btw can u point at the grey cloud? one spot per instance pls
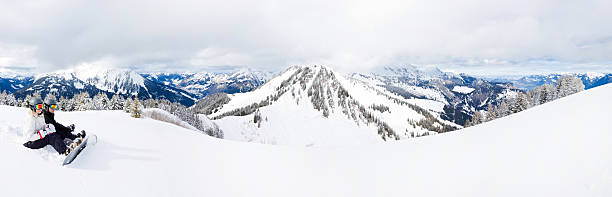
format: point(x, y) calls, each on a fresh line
point(348, 35)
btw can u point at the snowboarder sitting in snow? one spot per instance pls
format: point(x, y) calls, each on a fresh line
point(49, 108)
point(42, 126)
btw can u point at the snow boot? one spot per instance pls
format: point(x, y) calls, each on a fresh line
point(81, 134)
point(69, 149)
point(74, 144)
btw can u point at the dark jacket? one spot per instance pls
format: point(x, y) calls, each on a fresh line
point(64, 131)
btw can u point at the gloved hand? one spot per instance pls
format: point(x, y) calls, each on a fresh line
point(71, 127)
point(28, 144)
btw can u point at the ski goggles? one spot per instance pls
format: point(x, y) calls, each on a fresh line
point(38, 106)
point(52, 106)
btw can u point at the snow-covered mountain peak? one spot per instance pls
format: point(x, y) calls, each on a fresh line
point(62, 74)
point(120, 81)
point(414, 71)
point(12, 74)
point(316, 98)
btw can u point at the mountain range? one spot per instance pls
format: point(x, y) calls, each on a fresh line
point(590, 80)
point(181, 88)
point(448, 96)
point(203, 84)
point(459, 95)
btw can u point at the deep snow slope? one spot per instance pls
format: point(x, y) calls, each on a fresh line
point(567, 153)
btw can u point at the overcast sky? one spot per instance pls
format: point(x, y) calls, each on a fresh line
point(471, 36)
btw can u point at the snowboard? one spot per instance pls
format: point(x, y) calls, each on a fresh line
point(73, 155)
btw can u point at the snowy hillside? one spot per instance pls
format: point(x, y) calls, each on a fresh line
point(315, 106)
point(568, 153)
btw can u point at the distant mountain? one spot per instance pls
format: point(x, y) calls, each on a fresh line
point(315, 106)
point(109, 81)
point(460, 95)
point(203, 84)
point(590, 80)
point(11, 84)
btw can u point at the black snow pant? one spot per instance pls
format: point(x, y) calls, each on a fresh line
point(65, 132)
point(54, 139)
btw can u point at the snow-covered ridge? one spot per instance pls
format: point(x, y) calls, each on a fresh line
point(421, 72)
point(450, 95)
point(319, 102)
point(119, 81)
point(206, 83)
point(68, 83)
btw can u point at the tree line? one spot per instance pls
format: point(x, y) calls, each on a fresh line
point(83, 101)
point(566, 85)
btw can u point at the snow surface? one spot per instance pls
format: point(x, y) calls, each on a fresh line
point(463, 89)
point(561, 148)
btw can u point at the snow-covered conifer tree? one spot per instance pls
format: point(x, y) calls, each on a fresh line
point(65, 104)
point(477, 118)
point(520, 103)
point(491, 115)
point(82, 102)
point(502, 109)
point(10, 100)
point(127, 104)
point(136, 108)
point(24, 103)
point(567, 85)
point(3, 98)
point(116, 102)
point(100, 102)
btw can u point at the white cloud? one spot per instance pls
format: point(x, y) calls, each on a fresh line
point(268, 34)
point(211, 57)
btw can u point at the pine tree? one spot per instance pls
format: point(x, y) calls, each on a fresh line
point(115, 103)
point(520, 103)
point(127, 105)
point(549, 93)
point(490, 113)
point(467, 124)
point(66, 104)
point(25, 101)
point(100, 102)
point(82, 102)
point(502, 109)
point(477, 118)
point(3, 98)
point(10, 100)
point(136, 108)
point(567, 85)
